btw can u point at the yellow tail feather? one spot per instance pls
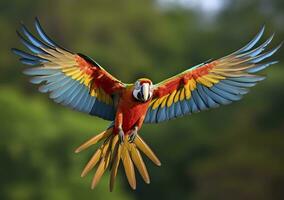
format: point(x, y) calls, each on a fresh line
point(94, 140)
point(147, 150)
point(111, 152)
point(139, 163)
point(114, 168)
point(96, 157)
point(128, 167)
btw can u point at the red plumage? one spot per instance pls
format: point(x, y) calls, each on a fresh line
point(132, 111)
point(79, 82)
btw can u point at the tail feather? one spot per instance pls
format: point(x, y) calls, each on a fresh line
point(101, 169)
point(128, 166)
point(105, 159)
point(147, 150)
point(94, 140)
point(93, 161)
point(139, 163)
point(114, 168)
point(111, 152)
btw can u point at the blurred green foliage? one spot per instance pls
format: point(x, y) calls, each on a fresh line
point(234, 152)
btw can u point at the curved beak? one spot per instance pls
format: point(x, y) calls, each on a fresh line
point(145, 89)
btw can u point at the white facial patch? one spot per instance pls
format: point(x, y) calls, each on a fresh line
point(143, 92)
point(135, 93)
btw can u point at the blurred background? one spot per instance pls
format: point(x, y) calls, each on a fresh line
point(234, 152)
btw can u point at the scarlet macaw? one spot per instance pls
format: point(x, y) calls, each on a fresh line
point(77, 81)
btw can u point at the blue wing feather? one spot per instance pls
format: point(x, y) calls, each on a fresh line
point(62, 88)
point(82, 101)
point(87, 104)
point(257, 50)
point(30, 46)
point(225, 91)
point(177, 109)
point(225, 94)
point(43, 35)
point(60, 91)
point(231, 89)
point(265, 55)
point(197, 99)
point(252, 42)
point(79, 95)
point(206, 98)
point(27, 55)
point(162, 114)
point(27, 61)
point(192, 105)
point(67, 94)
point(217, 98)
point(37, 71)
point(260, 67)
point(32, 38)
point(184, 107)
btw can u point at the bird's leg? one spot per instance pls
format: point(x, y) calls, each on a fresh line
point(118, 124)
point(121, 134)
point(137, 127)
point(133, 134)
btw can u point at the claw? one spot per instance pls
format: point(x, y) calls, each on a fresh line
point(132, 136)
point(121, 136)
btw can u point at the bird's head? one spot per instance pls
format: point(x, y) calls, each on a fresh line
point(143, 90)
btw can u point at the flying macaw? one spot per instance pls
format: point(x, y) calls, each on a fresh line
point(77, 81)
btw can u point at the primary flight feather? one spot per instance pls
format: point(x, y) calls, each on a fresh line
point(77, 81)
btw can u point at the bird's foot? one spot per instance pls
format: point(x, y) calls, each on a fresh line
point(133, 135)
point(121, 136)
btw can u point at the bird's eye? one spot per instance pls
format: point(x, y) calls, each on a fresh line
point(139, 95)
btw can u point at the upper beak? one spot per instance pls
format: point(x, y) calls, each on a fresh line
point(145, 91)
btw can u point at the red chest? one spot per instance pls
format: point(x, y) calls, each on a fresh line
point(131, 109)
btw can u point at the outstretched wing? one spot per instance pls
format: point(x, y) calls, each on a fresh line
point(73, 80)
point(209, 85)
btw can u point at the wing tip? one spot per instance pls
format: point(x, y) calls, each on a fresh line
point(14, 50)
